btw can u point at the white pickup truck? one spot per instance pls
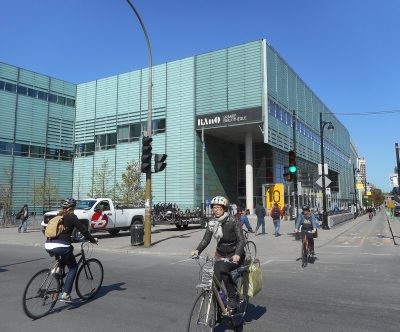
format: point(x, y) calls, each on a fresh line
point(100, 214)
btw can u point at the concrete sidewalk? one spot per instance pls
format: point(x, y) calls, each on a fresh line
point(167, 240)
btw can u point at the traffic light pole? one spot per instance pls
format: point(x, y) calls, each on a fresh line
point(147, 218)
point(295, 187)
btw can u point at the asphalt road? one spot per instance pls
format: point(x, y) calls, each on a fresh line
point(352, 286)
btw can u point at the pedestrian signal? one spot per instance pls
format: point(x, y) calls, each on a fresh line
point(159, 162)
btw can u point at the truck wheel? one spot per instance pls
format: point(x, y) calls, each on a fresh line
point(113, 232)
point(137, 222)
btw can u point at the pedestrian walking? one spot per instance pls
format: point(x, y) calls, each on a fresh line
point(260, 213)
point(245, 221)
point(23, 215)
point(276, 214)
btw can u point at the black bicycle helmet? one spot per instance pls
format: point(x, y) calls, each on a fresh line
point(68, 202)
point(306, 208)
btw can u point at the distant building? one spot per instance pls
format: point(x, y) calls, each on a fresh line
point(242, 97)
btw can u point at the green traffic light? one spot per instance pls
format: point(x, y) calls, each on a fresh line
point(292, 169)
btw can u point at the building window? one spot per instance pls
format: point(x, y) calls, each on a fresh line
point(106, 141)
point(10, 87)
point(37, 151)
point(5, 148)
point(21, 90)
point(21, 150)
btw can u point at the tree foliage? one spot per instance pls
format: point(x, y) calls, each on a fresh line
point(377, 196)
point(6, 200)
point(102, 181)
point(46, 194)
point(129, 191)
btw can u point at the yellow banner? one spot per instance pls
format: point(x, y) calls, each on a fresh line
point(369, 193)
point(275, 194)
point(359, 186)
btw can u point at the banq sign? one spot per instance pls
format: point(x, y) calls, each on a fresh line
point(229, 118)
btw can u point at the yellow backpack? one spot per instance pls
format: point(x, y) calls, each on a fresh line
point(54, 228)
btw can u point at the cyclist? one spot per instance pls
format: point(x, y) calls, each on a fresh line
point(308, 224)
point(62, 245)
point(228, 232)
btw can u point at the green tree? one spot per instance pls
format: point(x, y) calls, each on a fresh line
point(46, 194)
point(129, 191)
point(102, 177)
point(377, 196)
point(6, 200)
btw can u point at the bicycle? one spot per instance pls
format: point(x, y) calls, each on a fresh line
point(44, 288)
point(210, 306)
point(306, 251)
point(250, 247)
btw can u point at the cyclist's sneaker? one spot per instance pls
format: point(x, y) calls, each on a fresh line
point(66, 299)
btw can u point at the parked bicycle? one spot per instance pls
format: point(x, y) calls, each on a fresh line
point(210, 306)
point(45, 287)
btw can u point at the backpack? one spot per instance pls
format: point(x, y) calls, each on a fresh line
point(275, 214)
point(54, 228)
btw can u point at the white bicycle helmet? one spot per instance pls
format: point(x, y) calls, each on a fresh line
point(220, 200)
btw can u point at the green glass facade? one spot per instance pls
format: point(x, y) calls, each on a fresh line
point(36, 140)
point(249, 86)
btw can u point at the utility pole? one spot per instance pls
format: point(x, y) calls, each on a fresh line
point(296, 195)
point(397, 146)
point(147, 204)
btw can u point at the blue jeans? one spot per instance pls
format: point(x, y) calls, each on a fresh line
point(24, 225)
point(246, 222)
point(68, 259)
point(277, 224)
point(261, 222)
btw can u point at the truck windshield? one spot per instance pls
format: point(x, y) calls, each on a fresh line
point(85, 204)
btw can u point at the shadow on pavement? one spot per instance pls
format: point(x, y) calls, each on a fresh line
point(104, 290)
point(23, 262)
point(253, 313)
point(182, 236)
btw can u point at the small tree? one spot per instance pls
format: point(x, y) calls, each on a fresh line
point(46, 194)
point(129, 191)
point(377, 196)
point(101, 181)
point(6, 201)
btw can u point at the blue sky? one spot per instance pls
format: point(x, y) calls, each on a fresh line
point(347, 52)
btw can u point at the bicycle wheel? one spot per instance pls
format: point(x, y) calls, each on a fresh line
point(203, 313)
point(250, 249)
point(40, 294)
point(304, 254)
point(89, 279)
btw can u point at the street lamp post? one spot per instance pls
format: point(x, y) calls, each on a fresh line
point(322, 125)
point(355, 186)
point(147, 218)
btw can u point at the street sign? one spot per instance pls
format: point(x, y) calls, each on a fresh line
point(360, 186)
point(275, 194)
point(320, 169)
point(299, 189)
point(327, 181)
point(328, 191)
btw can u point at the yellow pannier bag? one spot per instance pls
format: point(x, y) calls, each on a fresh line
point(252, 281)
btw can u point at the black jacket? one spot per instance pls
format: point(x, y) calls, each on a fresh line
point(70, 221)
point(232, 241)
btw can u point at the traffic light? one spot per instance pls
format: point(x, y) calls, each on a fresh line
point(292, 165)
point(288, 176)
point(145, 167)
point(159, 162)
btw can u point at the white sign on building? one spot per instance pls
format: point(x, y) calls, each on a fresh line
point(394, 180)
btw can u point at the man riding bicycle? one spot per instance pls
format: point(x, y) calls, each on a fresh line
point(308, 224)
point(228, 232)
point(61, 245)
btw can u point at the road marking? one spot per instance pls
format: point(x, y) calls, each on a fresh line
point(181, 261)
point(363, 240)
point(267, 262)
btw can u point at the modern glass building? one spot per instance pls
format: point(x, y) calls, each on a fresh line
point(37, 115)
point(224, 118)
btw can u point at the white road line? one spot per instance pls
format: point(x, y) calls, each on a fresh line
point(181, 261)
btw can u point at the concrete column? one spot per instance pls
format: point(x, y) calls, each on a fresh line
point(249, 172)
